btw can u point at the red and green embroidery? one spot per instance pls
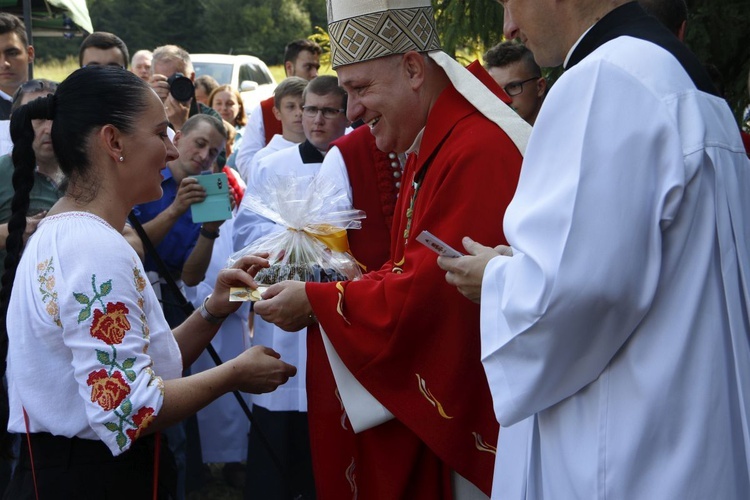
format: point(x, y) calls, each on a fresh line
point(82, 298)
point(110, 386)
point(46, 281)
point(140, 285)
point(130, 426)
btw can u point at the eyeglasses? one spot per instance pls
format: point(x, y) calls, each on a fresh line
point(37, 85)
point(32, 87)
point(328, 113)
point(515, 88)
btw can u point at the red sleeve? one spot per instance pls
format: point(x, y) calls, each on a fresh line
point(410, 338)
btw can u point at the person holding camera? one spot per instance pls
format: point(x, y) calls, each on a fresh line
point(172, 78)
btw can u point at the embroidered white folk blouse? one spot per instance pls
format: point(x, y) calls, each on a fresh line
point(88, 344)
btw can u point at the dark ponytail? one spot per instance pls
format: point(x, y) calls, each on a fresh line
point(87, 100)
point(24, 161)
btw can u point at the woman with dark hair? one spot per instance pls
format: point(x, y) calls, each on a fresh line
point(93, 369)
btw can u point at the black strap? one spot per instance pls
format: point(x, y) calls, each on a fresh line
point(5, 109)
point(188, 308)
point(309, 153)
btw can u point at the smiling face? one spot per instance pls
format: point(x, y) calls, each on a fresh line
point(146, 150)
point(319, 130)
point(198, 150)
point(380, 94)
point(14, 62)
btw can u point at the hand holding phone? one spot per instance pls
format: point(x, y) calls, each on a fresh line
point(216, 206)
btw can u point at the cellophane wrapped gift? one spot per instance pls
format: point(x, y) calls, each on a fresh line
point(310, 242)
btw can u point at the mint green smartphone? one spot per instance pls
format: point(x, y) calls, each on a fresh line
point(216, 206)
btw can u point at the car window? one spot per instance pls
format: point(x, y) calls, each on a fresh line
point(254, 73)
point(221, 72)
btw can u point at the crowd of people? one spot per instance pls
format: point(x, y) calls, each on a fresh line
point(581, 328)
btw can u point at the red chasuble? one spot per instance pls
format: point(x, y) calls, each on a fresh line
point(271, 124)
point(410, 338)
point(373, 175)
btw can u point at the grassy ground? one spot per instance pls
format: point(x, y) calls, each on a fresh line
point(217, 488)
point(58, 70)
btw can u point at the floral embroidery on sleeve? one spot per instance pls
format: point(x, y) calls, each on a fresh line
point(46, 280)
point(110, 386)
point(140, 285)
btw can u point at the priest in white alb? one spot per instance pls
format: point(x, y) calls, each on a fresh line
point(615, 325)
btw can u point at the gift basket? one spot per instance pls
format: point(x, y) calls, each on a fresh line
point(310, 243)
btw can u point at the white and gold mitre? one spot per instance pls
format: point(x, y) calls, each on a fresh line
point(361, 30)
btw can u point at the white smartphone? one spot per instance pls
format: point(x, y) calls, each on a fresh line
point(437, 245)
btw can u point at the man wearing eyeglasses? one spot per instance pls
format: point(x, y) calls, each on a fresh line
point(410, 344)
point(283, 416)
point(513, 67)
point(301, 59)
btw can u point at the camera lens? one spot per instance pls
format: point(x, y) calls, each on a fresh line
point(181, 87)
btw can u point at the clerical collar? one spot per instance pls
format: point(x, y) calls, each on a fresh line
point(309, 153)
point(416, 144)
point(5, 96)
point(631, 20)
point(573, 48)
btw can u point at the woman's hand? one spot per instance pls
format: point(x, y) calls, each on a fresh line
point(259, 370)
point(241, 274)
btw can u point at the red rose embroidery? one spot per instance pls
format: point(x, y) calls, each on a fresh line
point(112, 326)
point(108, 391)
point(142, 420)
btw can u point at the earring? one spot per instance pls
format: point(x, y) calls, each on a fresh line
point(122, 159)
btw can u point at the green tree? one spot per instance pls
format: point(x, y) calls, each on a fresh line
point(259, 27)
point(468, 26)
point(318, 14)
point(717, 32)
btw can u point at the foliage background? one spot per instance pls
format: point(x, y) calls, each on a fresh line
point(718, 31)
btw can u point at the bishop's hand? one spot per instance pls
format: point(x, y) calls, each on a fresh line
point(286, 305)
